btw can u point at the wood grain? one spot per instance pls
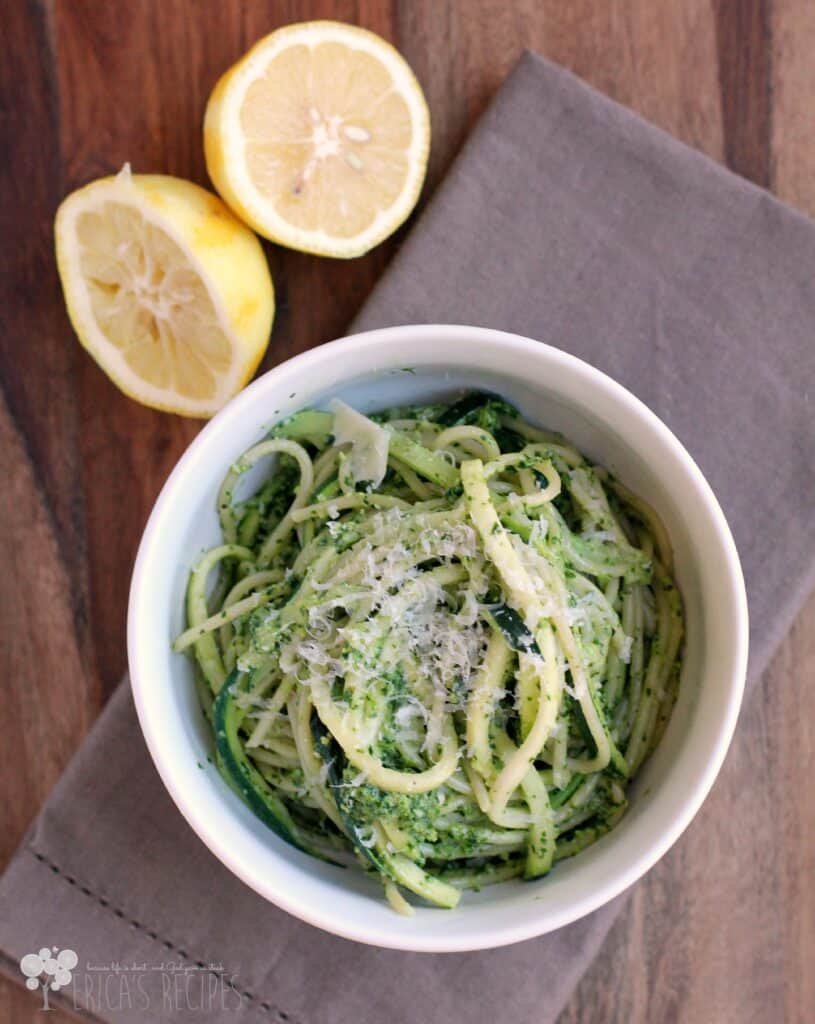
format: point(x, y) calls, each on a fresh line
point(723, 929)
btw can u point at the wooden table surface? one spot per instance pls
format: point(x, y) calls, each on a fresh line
point(723, 929)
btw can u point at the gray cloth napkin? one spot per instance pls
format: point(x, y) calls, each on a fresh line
point(569, 219)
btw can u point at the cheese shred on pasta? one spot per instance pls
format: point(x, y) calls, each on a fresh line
point(437, 640)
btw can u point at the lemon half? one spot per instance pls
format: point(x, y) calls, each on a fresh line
point(318, 138)
point(165, 288)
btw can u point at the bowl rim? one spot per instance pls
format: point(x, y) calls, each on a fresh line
point(547, 921)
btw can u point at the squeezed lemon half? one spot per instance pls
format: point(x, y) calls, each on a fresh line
point(166, 289)
point(318, 138)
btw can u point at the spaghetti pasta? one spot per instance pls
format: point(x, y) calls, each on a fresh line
point(443, 645)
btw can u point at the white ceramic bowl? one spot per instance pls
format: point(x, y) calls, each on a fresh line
point(394, 367)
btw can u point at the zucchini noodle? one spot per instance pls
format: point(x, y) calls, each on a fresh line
point(436, 641)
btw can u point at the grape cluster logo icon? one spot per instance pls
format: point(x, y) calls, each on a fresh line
point(49, 970)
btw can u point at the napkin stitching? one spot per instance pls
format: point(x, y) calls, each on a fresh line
point(154, 936)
